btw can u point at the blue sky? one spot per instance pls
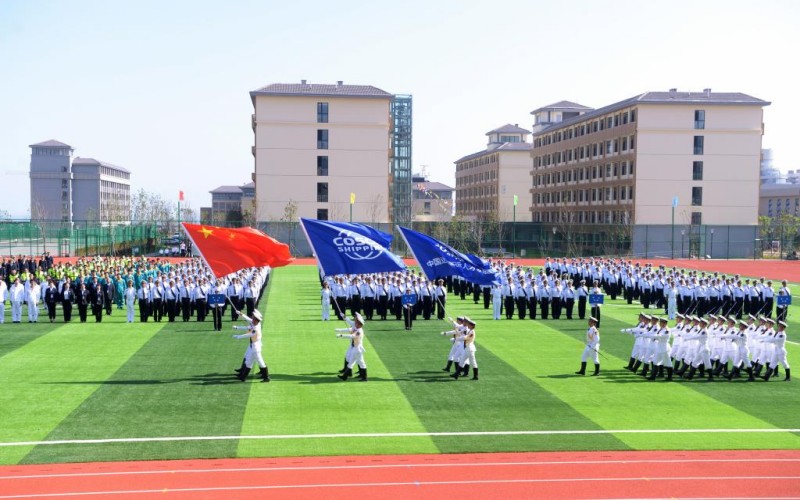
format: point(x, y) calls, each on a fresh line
point(161, 87)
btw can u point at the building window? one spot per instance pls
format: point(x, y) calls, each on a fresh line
point(699, 119)
point(697, 171)
point(322, 112)
point(698, 144)
point(426, 208)
point(322, 214)
point(697, 196)
point(322, 192)
point(322, 139)
point(322, 166)
point(697, 218)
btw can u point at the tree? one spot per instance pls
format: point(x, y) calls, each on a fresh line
point(376, 208)
point(290, 217)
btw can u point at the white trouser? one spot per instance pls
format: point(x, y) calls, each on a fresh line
point(2, 313)
point(702, 357)
point(357, 358)
point(454, 352)
point(741, 355)
point(779, 356)
point(326, 310)
point(496, 308)
point(33, 311)
point(253, 355)
point(129, 307)
point(16, 311)
point(468, 357)
point(590, 352)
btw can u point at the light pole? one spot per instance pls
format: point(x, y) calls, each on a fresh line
point(514, 228)
point(711, 252)
point(352, 201)
point(683, 233)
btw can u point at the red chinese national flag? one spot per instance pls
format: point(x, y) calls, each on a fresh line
point(227, 250)
point(180, 195)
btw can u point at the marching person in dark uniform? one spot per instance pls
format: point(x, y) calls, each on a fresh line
point(171, 300)
point(383, 299)
point(84, 299)
point(98, 303)
point(50, 300)
point(583, 294)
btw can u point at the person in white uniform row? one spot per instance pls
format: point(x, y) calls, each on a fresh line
point(457, 338)
point(468, 355)
point(592, 348)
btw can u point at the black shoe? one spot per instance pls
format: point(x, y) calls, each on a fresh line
point(447, 368)
point(582, 371)
point(596, 369)
point(344, 368)
point(243, 375)
point(474, 374)
point(347, 373)
point(362, 375)
point(788, 375)
point(241, 368)
point(264, 372)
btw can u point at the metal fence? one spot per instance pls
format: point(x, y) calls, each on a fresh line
point(80, 238)
point(495, 239)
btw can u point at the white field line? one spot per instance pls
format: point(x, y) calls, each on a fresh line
point(374, 435)
point(461, 463)
point(405, 483)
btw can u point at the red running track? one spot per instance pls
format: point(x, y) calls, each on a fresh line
point(704, 474)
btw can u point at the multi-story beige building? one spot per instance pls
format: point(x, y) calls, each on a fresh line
point(779, 199)
point(639, 161)
point(488, 181)
point(316, 144)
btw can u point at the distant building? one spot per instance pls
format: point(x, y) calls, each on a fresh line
point(315, 144)
point(232, 204)
point(627, 163)
point(432, 201)
point(778, 199)
point(793, 177)
point(70, 189)
point(488, 181)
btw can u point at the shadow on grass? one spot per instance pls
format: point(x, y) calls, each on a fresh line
point(207, 379)
point(324, 378)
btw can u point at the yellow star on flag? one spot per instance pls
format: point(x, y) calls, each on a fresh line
point(206, 232)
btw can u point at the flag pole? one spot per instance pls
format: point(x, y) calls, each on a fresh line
point(199, 252)
point(403, 234)
point(311, 244)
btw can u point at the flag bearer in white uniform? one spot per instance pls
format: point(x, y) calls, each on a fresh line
point(468, 357)
point(592, 349)
point(254, 353)
point(355, 354)
point(325, 297)
point(779, 353)
point(456, 337)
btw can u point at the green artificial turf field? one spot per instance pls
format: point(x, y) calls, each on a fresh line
point(131, 383)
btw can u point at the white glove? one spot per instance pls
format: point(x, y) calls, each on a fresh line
point(339, 335)
point(235, 336)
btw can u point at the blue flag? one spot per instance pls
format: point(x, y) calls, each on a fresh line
point(383, 239)
point(344, 251)
point(439, 260)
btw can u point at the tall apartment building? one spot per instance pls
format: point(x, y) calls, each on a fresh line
point(70, 189)
point(628, 163)
point(488, 181)
point(315, 144)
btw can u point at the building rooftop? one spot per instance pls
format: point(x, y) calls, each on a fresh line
point(507, 146)
point(669, 97)
point(509, 129)
point(338, 89)
point(432, 186)
point(779, 189)
point(227, 190)
point(97, 163)
point(563, 105)
point(52, 143)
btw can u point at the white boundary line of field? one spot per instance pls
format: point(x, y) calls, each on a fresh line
point(373, 435)
point(407, 483)
point(402, 465)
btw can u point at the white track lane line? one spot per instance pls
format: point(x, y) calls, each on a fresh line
point(405, 483)
point(393, 435)
point(460, 463)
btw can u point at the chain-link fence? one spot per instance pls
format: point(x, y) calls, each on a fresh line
point(63, 239)
point(489, 239)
